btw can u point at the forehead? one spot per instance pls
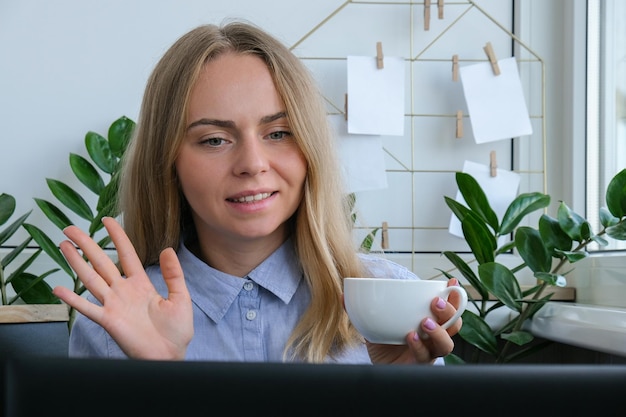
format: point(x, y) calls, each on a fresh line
point(234, 82)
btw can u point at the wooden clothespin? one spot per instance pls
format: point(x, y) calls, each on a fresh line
point(380, 61)
point(440, 7)
point(345, 106)
point(384, 241)
point(493, 164)
point(459, 124)
point(492, 58)
point(426, 14)
point(455, 67)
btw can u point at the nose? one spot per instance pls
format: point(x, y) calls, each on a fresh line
point(251, 157)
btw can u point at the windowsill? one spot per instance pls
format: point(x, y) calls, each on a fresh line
point(598, 328)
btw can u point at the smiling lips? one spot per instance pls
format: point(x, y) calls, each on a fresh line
point(251, 198)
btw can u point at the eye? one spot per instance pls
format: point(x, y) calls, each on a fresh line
point(278, 135)
point(213, 141)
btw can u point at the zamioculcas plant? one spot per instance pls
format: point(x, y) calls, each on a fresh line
point(27, 287)
point(100, 176)
point(547, 250)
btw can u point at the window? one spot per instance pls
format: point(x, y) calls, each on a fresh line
point(606, 103)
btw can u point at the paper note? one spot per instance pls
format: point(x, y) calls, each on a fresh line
point(376, 96)
point(362, 158)
point(496, 104)
point(500, 190)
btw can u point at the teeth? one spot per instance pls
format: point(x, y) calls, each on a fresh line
point(250, 198)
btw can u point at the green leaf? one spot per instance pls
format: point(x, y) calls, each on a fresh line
point(532, 250)
point(585, 230)
point(33, 289)
point(100, 152)
point(479, 238)
point(618, 231)
point(53, 213)
point(70, 198)
point(452, 359)
point(12, 228)
point(108, 196)
point(120, 133)
point(468, 273)
point(477, 332)
point(49, 247)
point(501, 282)
point(476, 199)
point(7, 207)
point(599, 240)
point(521, 206)
point(13, 254)
point(573, 256)
point(458, 209)
point(606, 218)
point(519, 337)
point(616, 195)
point(552, 279)
point(570, 222)
point(86, 173)
point(553, 236)
point(368, 241)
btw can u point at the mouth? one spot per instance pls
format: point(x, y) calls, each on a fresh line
point(250, 198)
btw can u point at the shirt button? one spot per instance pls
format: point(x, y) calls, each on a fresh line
point(248, 286)
point(251, 315)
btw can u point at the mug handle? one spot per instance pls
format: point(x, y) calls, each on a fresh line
point(462, 305)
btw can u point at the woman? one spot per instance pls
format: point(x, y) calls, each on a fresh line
point(236, 229)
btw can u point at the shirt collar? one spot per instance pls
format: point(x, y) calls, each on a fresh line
point(214, 291)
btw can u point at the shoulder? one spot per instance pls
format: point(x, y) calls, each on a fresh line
point(378, 267)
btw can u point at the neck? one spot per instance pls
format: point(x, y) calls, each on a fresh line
point(236, 258)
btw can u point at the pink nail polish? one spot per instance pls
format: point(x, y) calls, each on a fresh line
point(429, 324)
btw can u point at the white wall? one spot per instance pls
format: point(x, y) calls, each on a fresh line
point(70, 66)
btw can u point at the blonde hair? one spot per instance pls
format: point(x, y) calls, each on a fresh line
point(155, 213)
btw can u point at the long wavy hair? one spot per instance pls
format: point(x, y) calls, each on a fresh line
point(156, 215)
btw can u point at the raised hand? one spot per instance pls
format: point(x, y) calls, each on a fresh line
point(143, 323)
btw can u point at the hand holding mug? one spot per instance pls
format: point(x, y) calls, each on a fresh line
point(385, 310)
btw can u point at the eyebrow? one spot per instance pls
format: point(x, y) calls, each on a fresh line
point(231, 124)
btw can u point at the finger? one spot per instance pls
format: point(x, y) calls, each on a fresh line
point(437, 339)
point(454, 298)
point(99, 260)
point(87, 275)
point(418, 348)
point(173, 275)
point(130, 262)
point(443, 310)
point(85, 307)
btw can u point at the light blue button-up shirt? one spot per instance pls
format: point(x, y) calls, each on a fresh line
point(236, 319)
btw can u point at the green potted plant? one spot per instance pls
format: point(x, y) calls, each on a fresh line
point(547, 250)
point(32, 319)
point(100, 176)
point(26, 297)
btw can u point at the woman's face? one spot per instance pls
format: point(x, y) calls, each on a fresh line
point(239, 166)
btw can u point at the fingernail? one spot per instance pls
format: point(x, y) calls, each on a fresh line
point(441, 303)
point(429, 324)
point(416, 337)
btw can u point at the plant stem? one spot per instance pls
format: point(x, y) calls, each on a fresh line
point(3, 289)
point(526, 310)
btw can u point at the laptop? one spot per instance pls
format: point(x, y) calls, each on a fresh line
point(67, 387)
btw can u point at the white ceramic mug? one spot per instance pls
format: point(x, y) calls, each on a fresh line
point(385, 310)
